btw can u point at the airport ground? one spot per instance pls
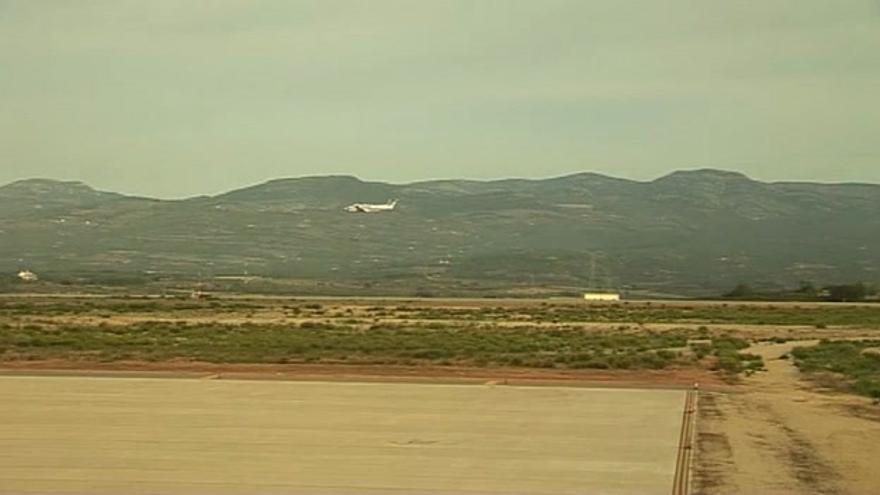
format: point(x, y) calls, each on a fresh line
point(188, 436)
point(776, 430)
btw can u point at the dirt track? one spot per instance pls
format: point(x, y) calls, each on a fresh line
point(779, 434)
point(683, 378)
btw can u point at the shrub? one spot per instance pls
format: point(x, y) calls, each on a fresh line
point(855, 369)
point(869, 387)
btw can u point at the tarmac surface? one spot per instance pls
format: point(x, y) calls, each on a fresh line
point(102, 435)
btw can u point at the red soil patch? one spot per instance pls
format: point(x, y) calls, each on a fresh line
point(673, 378)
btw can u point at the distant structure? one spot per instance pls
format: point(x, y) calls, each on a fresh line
point(601, 296)
point(28, 276)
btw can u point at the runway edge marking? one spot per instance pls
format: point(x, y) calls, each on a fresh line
point(681, 483)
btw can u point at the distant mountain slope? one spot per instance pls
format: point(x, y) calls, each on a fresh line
point(26, 196)
point(690, 232)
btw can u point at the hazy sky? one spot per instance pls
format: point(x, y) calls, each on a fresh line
point(174, 98)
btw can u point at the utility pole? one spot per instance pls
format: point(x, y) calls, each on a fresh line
point(592, 271)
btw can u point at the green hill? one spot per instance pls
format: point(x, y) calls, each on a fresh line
point(692, 232)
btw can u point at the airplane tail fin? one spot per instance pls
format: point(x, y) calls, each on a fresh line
point(392, 203)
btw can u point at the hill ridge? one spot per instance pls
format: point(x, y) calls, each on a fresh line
point(692, 232)
point(677, 175)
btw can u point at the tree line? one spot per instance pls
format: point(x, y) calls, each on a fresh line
point(807, 291)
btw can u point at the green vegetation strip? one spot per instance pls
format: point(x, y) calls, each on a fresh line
point(645, 313)
point(855, 362)
point(380, 344)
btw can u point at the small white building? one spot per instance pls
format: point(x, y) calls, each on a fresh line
point(28, 276)
point(601, 296)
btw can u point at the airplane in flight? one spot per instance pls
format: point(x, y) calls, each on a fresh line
point(371, 208)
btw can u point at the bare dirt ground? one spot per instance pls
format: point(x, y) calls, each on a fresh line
point(184, 436)
point(770, 433)
point(359, 318)
point(365, 311)
point(681, 378)
point(779, 434)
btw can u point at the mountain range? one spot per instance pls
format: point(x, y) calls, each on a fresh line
point(696, 232)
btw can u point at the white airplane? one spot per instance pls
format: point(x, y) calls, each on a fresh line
point(371, 208)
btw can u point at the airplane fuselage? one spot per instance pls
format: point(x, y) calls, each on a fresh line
point(370, 208)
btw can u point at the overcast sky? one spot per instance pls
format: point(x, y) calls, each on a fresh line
point(175, 98)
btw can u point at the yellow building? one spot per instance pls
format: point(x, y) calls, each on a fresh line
point(601, 296)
